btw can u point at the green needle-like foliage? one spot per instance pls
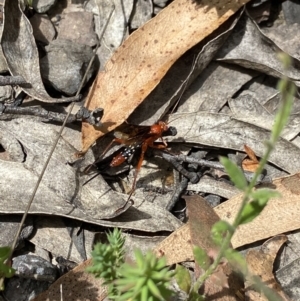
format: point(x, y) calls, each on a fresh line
point(107, 258)
point(147, 280)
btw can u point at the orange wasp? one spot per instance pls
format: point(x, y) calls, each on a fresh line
point(139, 136)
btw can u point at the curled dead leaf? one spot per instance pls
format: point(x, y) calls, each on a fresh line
point(251, 163)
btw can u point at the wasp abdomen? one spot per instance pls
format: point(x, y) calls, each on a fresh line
point(123, 156)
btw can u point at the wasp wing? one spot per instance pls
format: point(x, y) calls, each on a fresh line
point(132, 134)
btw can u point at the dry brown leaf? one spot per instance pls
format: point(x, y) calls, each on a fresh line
point(77, 285)
point(144, 58)
point(201, 219)
point(225, 131)
point(237, 51)
point(280, 215)
point(260, 262)
point(176, 247)
point(223, 283)
point(251, 163)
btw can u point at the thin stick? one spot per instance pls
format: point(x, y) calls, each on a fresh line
point(82, 114)
point(54, 146)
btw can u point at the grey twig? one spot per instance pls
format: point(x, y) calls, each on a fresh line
point(192, 176)
point(180, 185)
point(92, 117)
point(200, 162)
point(216, 165)
point(12, 80)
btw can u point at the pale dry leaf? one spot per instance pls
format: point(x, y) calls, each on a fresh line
point(249, 103)
point(279, 216)
point(289, 275)
point(250, 48)
point(210, 185)
point(215, 85)
point(201, 219)
point(142, 242)
point(249, 107)
point(21, 53)
point(220, 130)
point(260, 262)
point(286, 36)
point(144, 58)
point(77, 285)
point(178, 247)
point(117, 26)
point(65, 243)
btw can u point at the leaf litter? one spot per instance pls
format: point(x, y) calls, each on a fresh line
point(181, 75)
point(223, 281)
point(225, 131)
point(76, 285)
point(236, 129)
point(65, 194)
point(119, 91)
point(279, 216)
point(244, 45)
point(21, 53)
point(179, 245)
point(260, 262)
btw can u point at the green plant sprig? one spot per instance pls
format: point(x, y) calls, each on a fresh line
point(148, 279)
point(287, 89)
point(5, 270)
point(107, 259)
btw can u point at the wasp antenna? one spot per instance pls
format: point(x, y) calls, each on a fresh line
point(170, 121)
point(183, 87)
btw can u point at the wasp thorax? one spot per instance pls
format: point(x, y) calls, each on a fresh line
point(158, 128)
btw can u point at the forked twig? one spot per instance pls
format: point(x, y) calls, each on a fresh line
point(262, 178)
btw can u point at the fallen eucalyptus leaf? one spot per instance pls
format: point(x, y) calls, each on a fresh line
point(52, 234)
point(279, 216)
point(260, 262)
point(215, 85)
point(175, 84)
point(246, 108)
point(210, 185)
